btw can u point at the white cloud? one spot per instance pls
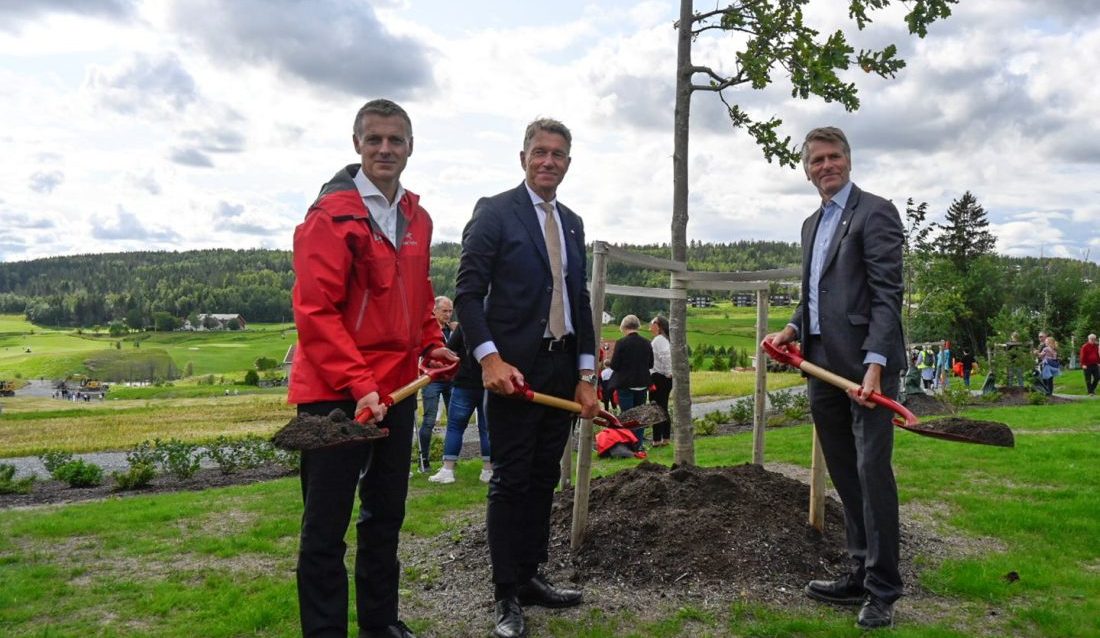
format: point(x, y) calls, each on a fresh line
point(118, 105)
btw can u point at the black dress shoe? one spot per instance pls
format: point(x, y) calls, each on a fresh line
point(510, 621)
point(539, 591)
point(876, 613)
point(846, 590)
point(398, 630)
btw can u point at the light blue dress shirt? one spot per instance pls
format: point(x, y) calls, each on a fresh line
point(831, 213)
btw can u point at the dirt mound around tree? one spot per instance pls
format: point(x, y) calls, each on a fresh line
point(743, 526)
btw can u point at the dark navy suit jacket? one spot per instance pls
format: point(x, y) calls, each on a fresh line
point(504, 285)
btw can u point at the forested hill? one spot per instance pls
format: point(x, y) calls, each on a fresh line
point(144, 289)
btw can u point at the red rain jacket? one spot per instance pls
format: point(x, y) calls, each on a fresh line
point(363, 308)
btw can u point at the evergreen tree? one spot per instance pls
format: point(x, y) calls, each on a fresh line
point(966, 234)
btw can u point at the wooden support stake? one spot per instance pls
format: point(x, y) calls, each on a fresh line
point(760, 395)
point(584, 447)
point(817, 486)
point(566, 480)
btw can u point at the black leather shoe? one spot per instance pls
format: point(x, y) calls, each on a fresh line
point(876, 613)
point(510, 621)
point(539, 591)
point(399, 630)
point(846, 590)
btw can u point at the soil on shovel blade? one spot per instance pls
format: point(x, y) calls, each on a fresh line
point(985, 432)
point(645, 416)
point(309, 432)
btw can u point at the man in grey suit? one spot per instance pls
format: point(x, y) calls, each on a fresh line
point(849, 321)
point(523, 303)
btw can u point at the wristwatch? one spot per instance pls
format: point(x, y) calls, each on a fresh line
point(590, 378)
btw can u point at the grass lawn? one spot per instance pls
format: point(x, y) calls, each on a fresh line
point(721, 325)
point(220, 563)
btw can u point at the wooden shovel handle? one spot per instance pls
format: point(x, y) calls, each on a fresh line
point(791, 356)
point(603, 417)
point(427, 375)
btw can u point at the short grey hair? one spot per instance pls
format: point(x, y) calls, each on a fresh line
point(384, 108)
point(630, 322)
point(830, 134)
point(550, 126)
point(440, 299)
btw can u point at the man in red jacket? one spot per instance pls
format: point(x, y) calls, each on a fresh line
point(1090, 363)
point(363, 308)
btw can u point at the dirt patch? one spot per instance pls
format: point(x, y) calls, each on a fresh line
point(310, 432)
point(47, 492)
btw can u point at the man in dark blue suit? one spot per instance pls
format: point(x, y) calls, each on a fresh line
point(523, 303)
point(849, 321)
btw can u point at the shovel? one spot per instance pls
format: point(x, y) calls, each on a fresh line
point(639, 417)
point(311, 432)
point(904, 419)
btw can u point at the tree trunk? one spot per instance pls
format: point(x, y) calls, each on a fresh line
point(682, 427)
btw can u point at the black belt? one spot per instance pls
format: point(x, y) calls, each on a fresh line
point(567, 342)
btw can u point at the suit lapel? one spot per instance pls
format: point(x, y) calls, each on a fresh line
point(525, 210)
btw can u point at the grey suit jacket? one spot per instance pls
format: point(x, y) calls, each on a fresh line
point(860, 291)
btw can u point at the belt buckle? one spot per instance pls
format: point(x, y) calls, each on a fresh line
point(554, 345)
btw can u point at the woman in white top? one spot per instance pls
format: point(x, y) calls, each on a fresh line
point(661, 376)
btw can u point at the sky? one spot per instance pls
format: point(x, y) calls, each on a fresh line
point(186, 124)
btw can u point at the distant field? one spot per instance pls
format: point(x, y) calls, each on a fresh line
point(722, 325)
point(29, 351)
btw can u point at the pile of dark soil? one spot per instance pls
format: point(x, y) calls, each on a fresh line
point(659, 529)
point(45, 492)
point(742, 525)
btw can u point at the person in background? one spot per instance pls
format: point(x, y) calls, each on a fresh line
point(606, 391)
point(849, 321)
point(967, 361)
point(350, 353)
point(1090, 364)
point(631, 364)
point(661, 377)
point(1049, 365)
point(432, 392)
point(943, 365)
point(467, 396)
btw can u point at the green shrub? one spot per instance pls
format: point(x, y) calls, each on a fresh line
point(178, 458)
point(144, 453)
point(1037, 398)
point(251, 378)
point(54, 459)
point(955, 397)
point(742, 411)
point(10, 485)
point(799, 408)
point(704, 427)
point(242, 453)
point(80, 473)
point(781, 400)
point(290, 459)
point(138, 476)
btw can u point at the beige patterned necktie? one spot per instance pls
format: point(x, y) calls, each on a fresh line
point(553, 250)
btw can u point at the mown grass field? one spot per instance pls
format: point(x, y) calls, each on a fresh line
point(29, 352)
point(220, 562)
point(721, 325)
